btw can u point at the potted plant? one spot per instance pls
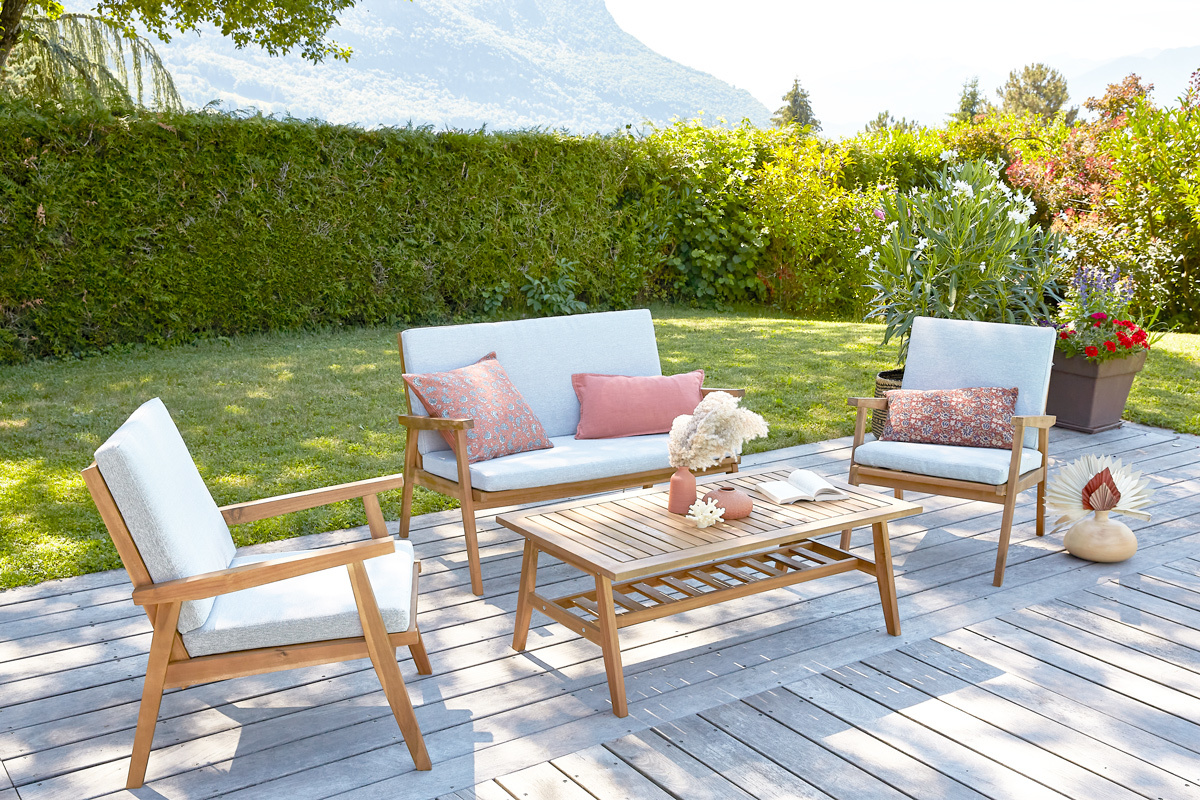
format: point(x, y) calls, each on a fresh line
point(965, 247)
point(1099, 351)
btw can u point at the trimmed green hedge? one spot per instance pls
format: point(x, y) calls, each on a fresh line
point(162, 228)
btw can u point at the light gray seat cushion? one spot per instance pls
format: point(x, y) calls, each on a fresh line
point(172, 518)
point(961, 354)
point(539, 355)
point(569, 460)
point(977, 464)
point(307, 608)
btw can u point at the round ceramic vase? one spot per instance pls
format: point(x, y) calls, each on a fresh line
point(1100, 539)
point(737, 504)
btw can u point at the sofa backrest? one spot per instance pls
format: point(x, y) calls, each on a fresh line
point(539, 355)
point(961, 354)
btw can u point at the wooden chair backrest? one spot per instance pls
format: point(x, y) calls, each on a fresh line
point(131, 557)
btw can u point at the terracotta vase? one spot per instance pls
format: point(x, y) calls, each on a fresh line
point(683, 491)
point(1100, 539)
point(737, 504)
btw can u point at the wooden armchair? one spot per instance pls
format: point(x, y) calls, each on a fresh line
point(957, 354)
point(216, 615)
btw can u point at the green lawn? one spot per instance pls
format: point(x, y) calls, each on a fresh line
point(269, 414)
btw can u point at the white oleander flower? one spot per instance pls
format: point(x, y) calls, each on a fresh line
point(1016, 215)
point(948, 155)
point(963, 188)
point(1097, 483)
point(705, 513)
point(866, 251)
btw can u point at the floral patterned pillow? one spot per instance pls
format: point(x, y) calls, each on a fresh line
point(979, 417)
point(504, 423)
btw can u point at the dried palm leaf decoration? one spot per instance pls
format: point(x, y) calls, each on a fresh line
point(1097, 483)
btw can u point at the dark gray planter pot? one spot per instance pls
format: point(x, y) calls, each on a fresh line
point(1091, 397)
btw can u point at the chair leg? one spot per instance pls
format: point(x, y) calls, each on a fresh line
point(1041, 507)
point(410, 482)
point(468, 513)
point(1010, 504)
point(420, 657)
point(383, 658)
point(165, 621)
point(845, 543)
point(899, 493)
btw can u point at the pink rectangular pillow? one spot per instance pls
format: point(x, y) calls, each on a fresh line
point(979, 417)
point(611, 406)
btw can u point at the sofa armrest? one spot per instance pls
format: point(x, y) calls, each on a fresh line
point(435, 423)
point(734, 392)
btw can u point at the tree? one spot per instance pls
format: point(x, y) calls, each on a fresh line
point(275, 26)
point(797, 110)
point(884, 121)
point(78, 56)
point(971, 103)
point(1036, 89)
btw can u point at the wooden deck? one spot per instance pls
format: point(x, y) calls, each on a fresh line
point(1073, 680)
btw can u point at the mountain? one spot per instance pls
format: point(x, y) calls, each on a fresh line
point(1169, 71)
point(464, 64)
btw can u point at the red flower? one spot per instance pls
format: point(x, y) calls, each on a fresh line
point(1065, 335)
point(1110, 347)
point(1100, 315)
point(1124, 339)
point(1091, 350)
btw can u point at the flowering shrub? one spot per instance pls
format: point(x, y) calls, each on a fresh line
point(964, 249)
point(1091, 321)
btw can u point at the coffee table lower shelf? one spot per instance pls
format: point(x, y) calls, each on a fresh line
point(598, 614)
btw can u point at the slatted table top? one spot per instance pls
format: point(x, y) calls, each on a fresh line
point(634, 535)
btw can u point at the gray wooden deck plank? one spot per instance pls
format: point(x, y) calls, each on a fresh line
point(802, 757)
point(859, 748)
point(752, 772)
point(542, 781)
point(1038, 728)
point(673, 770)
point(1096, 670)
point(1115, 653)
point(1044, 766)
point(1094, 722)
point(1160, 644)
point(839, 647)
point(606, 776)
point(934, 748)
point(1144, 610)
point(1148, 584)
point(655, 652)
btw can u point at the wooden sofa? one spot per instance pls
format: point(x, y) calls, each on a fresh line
point(539, 355)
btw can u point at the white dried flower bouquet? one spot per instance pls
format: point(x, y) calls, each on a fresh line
point(718, 428)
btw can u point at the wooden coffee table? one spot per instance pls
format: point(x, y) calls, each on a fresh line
point(649, 563)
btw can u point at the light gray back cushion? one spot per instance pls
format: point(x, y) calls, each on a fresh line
point(539, 355)
point(165, 504)
point(961, 354)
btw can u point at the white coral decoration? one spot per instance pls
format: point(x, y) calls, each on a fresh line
point(1083, 486)
point(705, 513)
point(718, 428)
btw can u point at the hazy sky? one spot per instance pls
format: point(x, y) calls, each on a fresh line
point(911, 58)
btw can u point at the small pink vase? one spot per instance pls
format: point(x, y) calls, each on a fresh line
point(737, 504)
point(683, 491)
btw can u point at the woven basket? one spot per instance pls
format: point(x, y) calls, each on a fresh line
point(884, 381)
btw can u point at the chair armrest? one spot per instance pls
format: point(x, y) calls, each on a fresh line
point(435, 423)
point(252, 510)
point(246, 576)
point(867, 402)
point(1036, 421)
point(735, 392)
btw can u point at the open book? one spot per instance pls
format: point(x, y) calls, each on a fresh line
point(802, 484)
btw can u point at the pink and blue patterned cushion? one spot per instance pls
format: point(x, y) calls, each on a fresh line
point(482, 391)
point(977, 417)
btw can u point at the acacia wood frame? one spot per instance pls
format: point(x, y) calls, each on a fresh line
point(1004, 494)
point(471, 499)
point(171, 666)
